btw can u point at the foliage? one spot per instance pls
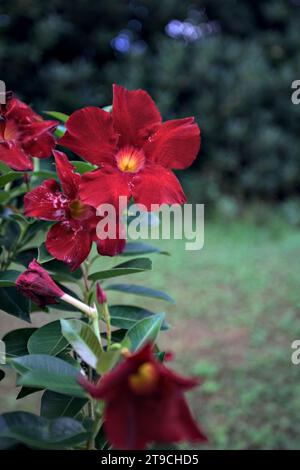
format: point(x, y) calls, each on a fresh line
point(236, 80)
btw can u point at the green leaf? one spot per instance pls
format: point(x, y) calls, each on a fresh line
point(59, 131)
point(24, 257)
point(83, 340)
point(107, 361)
point(83, 167)
point(43, 255)
point(55, 405)
point(42, 371)
point(140, 290)
point(144, 331)
point(47, 340)
point(8, 278)
point(26, 391)
point(38, 432)
point(9, 177)
point(62, 117)
point(14, 303)
point(16, 342)
point(4, 168)
point(136, 265)
point(45, 174)
point(4, 197)
point(126, 316)
point(140, 248)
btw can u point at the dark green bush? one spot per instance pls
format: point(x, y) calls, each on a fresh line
point(236, 81)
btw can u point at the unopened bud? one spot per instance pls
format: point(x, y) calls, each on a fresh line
point(101, 296)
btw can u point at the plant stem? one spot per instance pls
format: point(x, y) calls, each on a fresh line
point(91, 312)
point(106, 318)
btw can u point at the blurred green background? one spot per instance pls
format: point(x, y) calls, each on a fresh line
point(230, 63)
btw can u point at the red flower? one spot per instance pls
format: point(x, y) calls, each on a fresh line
point(145, 403)
point(23, 134)
point(134, 150)
point(36, 284)
point(70, 239)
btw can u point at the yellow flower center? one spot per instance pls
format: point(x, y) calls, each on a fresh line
point(77, 209)
point(144, 380)
point(130, 160)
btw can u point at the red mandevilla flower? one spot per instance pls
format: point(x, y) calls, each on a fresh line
point(36, 284)
point(70, 239)
point(145, 403)
point(23, 134)
point(134, 150)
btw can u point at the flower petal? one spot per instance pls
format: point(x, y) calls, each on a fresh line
point(69, 242)
point(135, 116)
point(157, 185)
point(103, 187)
point(90, 135)
point(46, 202)
point(175, 144)
point(37, 139)
point(14, 156)
point(66, 172)
point(113, 246)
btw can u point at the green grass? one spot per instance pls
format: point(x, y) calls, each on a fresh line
point(237, 313)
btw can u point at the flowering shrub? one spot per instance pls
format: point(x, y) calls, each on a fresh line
point(104, 379)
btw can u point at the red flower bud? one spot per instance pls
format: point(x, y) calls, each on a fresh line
point(36, 284)
point(101, 296)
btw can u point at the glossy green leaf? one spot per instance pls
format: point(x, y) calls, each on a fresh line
point(55, 405)
point(140, 248)
point(47, 340)
point(16, 342)
point(38, 432)
point(43, 255)
point(14, 303)
point(144, 331)
point(140, 290)
point(4, 197)
point(45, 174)
point(26, 391)
point(52, 373)
point(8, 278)
point(62, 117)
point(126, 316)
point(83, 340)
point(59, 131)
point(9, 177)
point(4, 168)
point(83, 167)
point(107, 360)
point(136, 265)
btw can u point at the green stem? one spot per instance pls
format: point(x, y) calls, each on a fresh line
point(106, 318)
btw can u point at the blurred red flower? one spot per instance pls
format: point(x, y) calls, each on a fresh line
point(23, 134)
point(133, 149)
point(145, 403)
